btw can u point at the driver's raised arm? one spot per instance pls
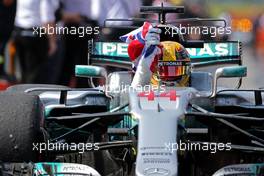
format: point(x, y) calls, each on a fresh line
point(144, 52)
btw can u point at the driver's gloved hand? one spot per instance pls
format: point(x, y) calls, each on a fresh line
point(143, 49)
point(153, 37)
point(146, 62)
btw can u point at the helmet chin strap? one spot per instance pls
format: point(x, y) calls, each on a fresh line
point(183, 82)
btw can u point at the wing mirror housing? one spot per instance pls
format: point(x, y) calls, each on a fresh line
point(231, 72)
point(227, 72)
point(90, 71)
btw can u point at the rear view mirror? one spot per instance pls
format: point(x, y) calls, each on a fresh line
point(228, 72)
point(90, 71)
point(231, 72)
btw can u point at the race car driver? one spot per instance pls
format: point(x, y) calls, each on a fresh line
point(155, 62)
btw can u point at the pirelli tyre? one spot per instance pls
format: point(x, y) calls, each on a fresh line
point(21, 118)
point(25, 87)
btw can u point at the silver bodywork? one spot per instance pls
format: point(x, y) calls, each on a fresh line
point(158, 121)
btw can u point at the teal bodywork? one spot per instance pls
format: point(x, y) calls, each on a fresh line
point(242, 169)
point(62, 169)
point(236, 71)
point(212, 53)
point(88, 71)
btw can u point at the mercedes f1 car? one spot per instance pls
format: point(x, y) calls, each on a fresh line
point(200, 130)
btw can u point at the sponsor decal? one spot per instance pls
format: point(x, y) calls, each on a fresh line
point(63, 169)
point(151, 95)
point(241, 169)
point(209, 50)
point(156, 171)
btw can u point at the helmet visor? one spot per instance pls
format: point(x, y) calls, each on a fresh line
point(173, 69)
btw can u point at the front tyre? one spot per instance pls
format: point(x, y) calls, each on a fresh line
point(20, 122)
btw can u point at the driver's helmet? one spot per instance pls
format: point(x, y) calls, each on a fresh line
point(173, 66)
